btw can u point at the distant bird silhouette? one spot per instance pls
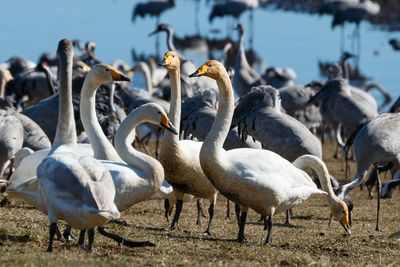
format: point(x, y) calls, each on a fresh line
point(395, 44)
point(153, 8)
point(355, 13)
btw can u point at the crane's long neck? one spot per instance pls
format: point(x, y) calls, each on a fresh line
point(318, 166)
point(66, 131)
point(170, 40)
point(175, 106)
point(102, 148)
point(241, 55)
point(215, 139)
point(147, 77)
point(123, 140)
point(344, 67)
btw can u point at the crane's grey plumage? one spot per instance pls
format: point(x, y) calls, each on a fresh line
point(339, 104)
point(198, 114)
point(232, 8)
point(377, 141)
point(294, 101)
point(258, 114)
point(11, 138)
point(279, 77)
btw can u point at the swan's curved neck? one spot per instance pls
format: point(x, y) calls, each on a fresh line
point(175, 107)
point(123, 140)
point(304, 162)
point(66, 131)
point(147, 77)
point(214, 141)
point(102, 148)
point(170, 40)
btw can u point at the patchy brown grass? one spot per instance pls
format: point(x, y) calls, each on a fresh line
point(23, 237)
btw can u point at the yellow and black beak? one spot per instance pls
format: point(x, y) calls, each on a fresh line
point(345, 223)
point(118, 77)
point(166, 61)
point(166, 124)
point(200, 71)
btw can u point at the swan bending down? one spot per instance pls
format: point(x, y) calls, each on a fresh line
point(258, 179)
point(77, 189)
point(180, 158)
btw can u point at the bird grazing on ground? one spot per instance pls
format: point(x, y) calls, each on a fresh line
point(256, 178)
point(377, 141)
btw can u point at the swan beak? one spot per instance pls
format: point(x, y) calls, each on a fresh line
point(347, 228)
point(166, 124)
point(200, 71)
point(165, 62)
point(118, 77)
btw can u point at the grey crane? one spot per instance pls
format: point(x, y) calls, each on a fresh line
point(375, 142)
point(245, 77)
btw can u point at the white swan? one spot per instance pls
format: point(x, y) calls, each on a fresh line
point(258, 179)
point(76, 189)
point(180, 158)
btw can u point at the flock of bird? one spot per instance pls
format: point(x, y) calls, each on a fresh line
point(81, 146)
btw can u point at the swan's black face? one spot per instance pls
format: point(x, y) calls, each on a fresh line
point(171, 61)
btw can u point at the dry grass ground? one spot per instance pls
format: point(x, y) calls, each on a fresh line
point(23, 237)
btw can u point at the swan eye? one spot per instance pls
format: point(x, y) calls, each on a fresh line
point(159, 112)
point(107, 69)
point(209, 65)
point(173, 56)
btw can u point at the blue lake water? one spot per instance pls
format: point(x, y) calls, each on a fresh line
point(30, 27)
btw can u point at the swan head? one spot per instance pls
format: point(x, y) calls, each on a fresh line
point(239, 27)
point(155, 114)
point(341, 213)
point(171, 61)
point(212, 69)
point(106, 74)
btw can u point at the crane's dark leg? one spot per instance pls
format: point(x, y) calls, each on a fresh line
point(52, 232)
point(237, 212)
point(197, 18)
point(243, 217)
point(269, 235)
point(90, 234)
point(178, 209)
point(81, 240)
point(251, 23)
point(342, 40)
point(378, 206)
point(157, 37)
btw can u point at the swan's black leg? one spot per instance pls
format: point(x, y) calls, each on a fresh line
point(90, 233)
point(287, 220)
point(237, 212)
point(243, 217)
point(178, 209)
point(167, 207)
point(228, 209)
point(81, 240)
point(199, 211)
point(269, 235)
point(211, 216)
point(52, 232)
